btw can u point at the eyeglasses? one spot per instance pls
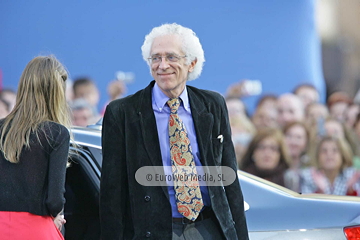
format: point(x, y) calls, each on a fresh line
point(272, 148)
point(169, 57)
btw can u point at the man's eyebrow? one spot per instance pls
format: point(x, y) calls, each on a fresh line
point(167, 53)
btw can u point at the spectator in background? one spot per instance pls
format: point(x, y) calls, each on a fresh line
point(4, 108)
point(338, 102)
point(242, 130)
point(265, 115)
point(265, 118)
point(85, 88)
point(297, 141)
point(9, 96)
point(337, 129)
point(116, 89)
point(235, 106)
point(307, 93)
point(267, 101)
point(82, 113)
point(333, 172)
point(290, 109)
point(267, 156)
point(314, 113)
point(334, 128)
point(350, 114)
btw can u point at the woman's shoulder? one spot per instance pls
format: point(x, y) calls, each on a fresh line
point(54, 132)
point(54, 127)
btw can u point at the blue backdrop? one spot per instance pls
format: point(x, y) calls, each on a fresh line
point(274, 41)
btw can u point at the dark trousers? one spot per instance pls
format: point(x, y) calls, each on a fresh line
point(207, 229)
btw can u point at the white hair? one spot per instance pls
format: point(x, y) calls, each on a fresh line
point(191, 45)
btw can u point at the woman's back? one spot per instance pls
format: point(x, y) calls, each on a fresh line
point(32, 184)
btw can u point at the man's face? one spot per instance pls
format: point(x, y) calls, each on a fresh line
point(170, 76)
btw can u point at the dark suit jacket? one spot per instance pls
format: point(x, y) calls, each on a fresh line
point(129, 210)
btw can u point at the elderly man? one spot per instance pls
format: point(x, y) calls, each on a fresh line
point(290, 109)
point(169, 124)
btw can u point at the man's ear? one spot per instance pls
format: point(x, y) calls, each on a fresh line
point(192, 65)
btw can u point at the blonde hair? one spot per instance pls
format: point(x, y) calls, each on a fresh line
point(243, 122)
point(40, 98)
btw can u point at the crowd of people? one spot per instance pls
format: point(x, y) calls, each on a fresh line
point(297, 142)
point(293, 139)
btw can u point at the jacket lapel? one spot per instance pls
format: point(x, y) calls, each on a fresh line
point(203, 122)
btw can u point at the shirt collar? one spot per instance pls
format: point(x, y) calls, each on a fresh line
point(161, 99)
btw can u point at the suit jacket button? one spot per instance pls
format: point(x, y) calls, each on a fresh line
point(147, 198)
point(148, 234)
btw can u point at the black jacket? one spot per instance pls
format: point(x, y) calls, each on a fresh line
point(129, 210)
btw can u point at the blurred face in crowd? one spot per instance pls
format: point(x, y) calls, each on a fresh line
point(351, 113)
point(290, 109)
point(235, 106)
point(82, 117)
point(337, 111)
point(267, 154)
point(334, 128)
point(307, 95)
point(116, 89)
point(170, 76)
point(296, 140)
point(315, 112)
point(265, 117)
point(329, 156)
point(89, 92)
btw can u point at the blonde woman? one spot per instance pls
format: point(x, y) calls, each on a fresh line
point(34, 144)
point(333, 173)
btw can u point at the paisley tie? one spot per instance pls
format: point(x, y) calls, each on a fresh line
point(187, 193)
